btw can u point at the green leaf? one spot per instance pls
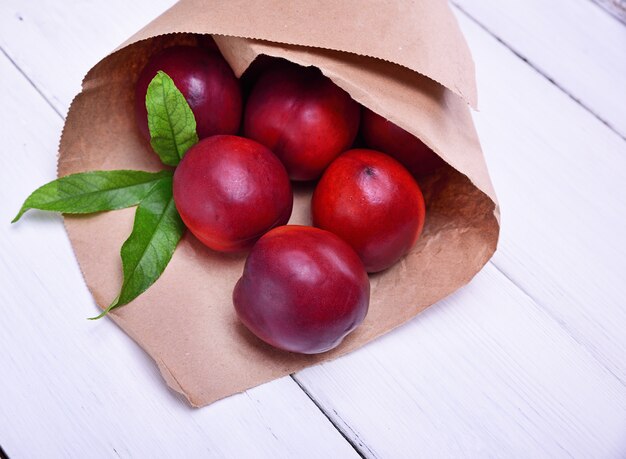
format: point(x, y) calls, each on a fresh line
point(95, 191)
point(149, 248)
point(170, 120)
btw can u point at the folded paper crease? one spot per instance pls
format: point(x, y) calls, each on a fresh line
point(421, 35)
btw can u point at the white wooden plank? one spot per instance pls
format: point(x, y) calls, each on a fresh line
point(485, 373)
point(74, 388)
point(559, 174)
point(572, 42)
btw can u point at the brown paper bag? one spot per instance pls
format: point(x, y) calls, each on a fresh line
point(405, 60)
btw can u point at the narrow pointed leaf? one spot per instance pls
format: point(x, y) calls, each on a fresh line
point(149, 248)
point(95, 191)
point(171, 122)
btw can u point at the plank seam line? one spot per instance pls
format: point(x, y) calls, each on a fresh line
point(615, 14)
point(31, 82)
point(538, 70)
point(357, 448)
point(560, 323)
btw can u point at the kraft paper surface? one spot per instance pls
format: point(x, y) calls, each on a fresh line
point(405, 60)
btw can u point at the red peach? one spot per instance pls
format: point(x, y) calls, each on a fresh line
point(373, 203)
point(383, 135)
point(302, 290)
point(207, 82)
point(230, 190)
point(302, 116)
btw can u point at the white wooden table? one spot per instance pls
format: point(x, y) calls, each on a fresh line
point(529, 360)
